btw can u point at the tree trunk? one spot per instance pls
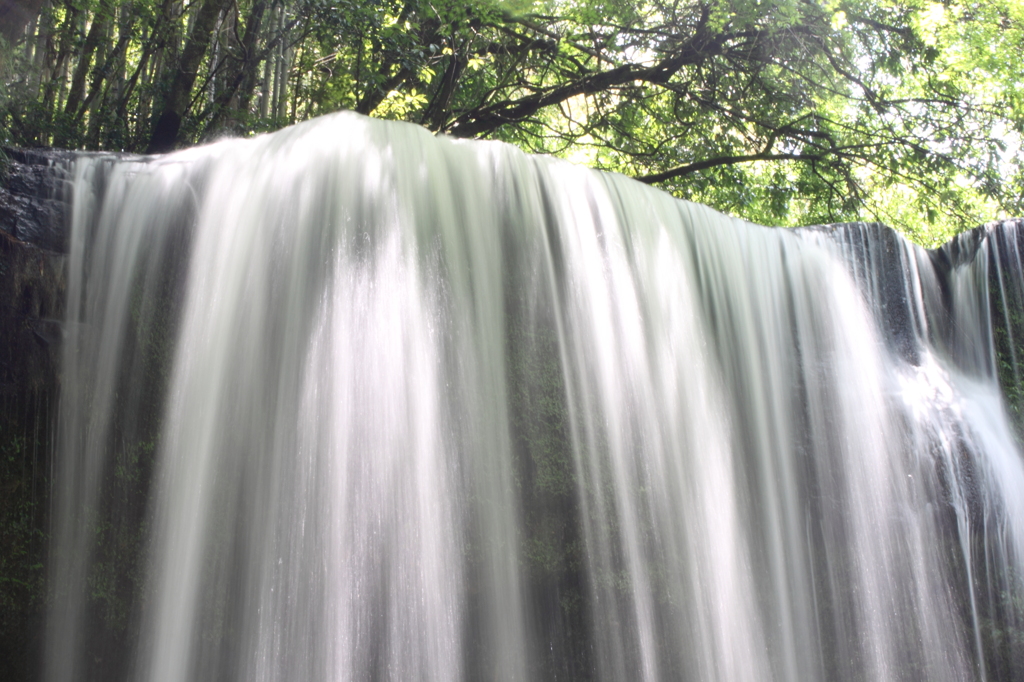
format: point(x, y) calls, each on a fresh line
point(436, 114)
point(45, 30)
point(168, 125)
point(64, 44)
point(243, 78)
point(92, 41)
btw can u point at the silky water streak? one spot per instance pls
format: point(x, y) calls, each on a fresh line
point(353, 402)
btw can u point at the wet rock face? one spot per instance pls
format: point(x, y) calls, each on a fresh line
point(33, 197)
point(33, 238)
point(31, 310)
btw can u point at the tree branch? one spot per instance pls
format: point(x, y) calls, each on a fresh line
point(481, 121)
point(689, 168)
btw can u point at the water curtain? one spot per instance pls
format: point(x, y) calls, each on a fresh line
point(352, 402)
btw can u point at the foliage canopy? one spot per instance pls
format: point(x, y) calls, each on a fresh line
point(781, 111)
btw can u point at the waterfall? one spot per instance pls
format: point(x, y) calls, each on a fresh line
point(353, 402)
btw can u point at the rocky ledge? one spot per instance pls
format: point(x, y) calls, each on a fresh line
point(33, 193)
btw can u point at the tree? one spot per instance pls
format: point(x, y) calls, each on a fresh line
point(782, 111)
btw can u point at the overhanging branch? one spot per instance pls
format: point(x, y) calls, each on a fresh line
point(689, 168)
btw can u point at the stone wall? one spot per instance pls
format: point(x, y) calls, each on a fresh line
point(32, 244)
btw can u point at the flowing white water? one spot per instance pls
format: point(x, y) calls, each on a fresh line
point(352, 402)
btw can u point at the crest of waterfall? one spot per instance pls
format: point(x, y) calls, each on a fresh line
point(349, 401)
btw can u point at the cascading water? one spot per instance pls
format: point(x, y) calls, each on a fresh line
point(352, 402)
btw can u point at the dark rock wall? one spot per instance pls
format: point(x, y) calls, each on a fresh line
point(32, 194)
point(32, 242)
